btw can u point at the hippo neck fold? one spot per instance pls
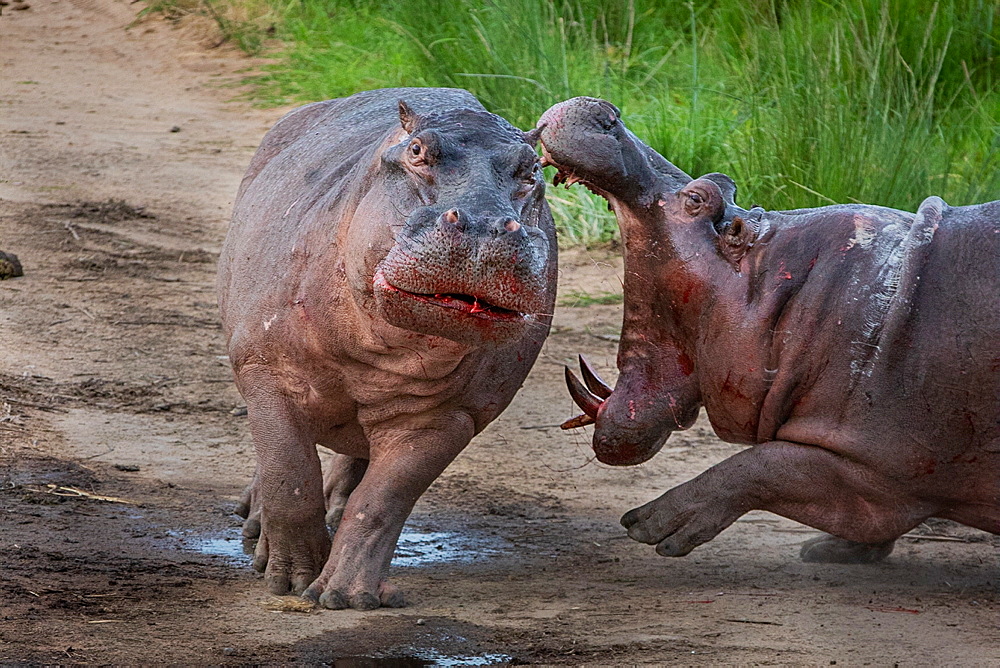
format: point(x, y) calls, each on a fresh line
point(668, 283)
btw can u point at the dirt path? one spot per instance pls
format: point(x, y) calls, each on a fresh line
point(111, 385)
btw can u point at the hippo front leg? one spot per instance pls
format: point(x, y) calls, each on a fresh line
point(288, 485)
point(405, 461)
point(833, 550)
point(804, 483)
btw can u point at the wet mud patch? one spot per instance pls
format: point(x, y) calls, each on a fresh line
point(84, 557)
point(402, 641)
point(405, 641)
point(26, 392)
point(108, 211)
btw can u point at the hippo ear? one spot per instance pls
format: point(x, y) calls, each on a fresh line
point(407, 117)
point(531, 136)
point(737, 238)
point(726, 186)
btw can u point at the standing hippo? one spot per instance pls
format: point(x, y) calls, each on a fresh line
point(385, 286)
point(856, 347)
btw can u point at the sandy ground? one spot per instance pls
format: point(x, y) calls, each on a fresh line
point(120, 153)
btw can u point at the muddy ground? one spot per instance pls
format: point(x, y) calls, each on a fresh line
point(120, 459)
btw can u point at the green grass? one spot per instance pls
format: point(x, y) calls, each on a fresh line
point(582, 298)
point(802, 103)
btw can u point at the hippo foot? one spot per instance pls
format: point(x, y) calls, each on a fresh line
point(832, 550)
point(248, 507)
point(291, 554)
point(679, 521)
point(354, 595)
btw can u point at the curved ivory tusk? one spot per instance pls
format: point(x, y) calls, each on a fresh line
point(583, 397)
point(578, 421)
point(592, 380)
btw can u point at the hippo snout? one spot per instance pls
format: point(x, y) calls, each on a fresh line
point(625, 445)
point(464, 222)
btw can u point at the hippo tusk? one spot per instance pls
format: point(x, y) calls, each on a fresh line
point(594, 382)
point(578, 421)
point(583, 397)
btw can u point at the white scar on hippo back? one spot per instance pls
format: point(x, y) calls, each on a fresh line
point(269, 322)
point(864, 234)
point(898, 253)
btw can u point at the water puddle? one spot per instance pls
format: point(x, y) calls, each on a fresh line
point(426, 548)
point(421, 659)
point(226, 544)
point(415, 547)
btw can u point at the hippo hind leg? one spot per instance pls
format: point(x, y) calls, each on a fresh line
point(248, 507)
point(829, 549)
point(341, 476)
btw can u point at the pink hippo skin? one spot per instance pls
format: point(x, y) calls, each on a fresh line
point(857, 348)
point(386, 285)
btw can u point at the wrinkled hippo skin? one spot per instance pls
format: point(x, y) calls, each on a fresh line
point(857, 348)
point(385, 286)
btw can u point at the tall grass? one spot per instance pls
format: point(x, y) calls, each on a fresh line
point(801, 103)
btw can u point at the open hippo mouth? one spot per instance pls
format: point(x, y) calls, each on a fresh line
point(566, 176)
point(459, 316)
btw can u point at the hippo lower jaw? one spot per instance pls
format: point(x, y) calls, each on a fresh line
point(461, 318)
point(613, 450)
point(627, 432)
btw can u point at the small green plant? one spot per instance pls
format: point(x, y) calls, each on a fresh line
point(582, 298)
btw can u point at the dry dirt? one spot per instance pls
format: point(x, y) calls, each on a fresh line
point(120, 153)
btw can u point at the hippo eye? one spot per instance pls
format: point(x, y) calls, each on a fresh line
point(695, 197)
point(415, 149)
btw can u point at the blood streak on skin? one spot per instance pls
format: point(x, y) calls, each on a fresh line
point(686, 364)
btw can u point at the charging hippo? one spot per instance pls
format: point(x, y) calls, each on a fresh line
point(385, 286)
point(856, 347)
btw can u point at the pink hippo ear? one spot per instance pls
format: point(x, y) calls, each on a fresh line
point(407, 117)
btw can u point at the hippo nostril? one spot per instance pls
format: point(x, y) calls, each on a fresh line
point(451, 216)
point(512, 226)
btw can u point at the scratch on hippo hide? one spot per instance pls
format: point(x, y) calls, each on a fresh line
point(864, 234)
point(899, 251)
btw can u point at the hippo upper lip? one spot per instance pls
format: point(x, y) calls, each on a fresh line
point(569, 177)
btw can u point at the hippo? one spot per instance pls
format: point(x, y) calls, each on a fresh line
point(856, 348)
point(385, 286)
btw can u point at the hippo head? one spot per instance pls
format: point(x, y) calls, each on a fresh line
point(677, 235)
point(585, 138)
point(471, 253)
